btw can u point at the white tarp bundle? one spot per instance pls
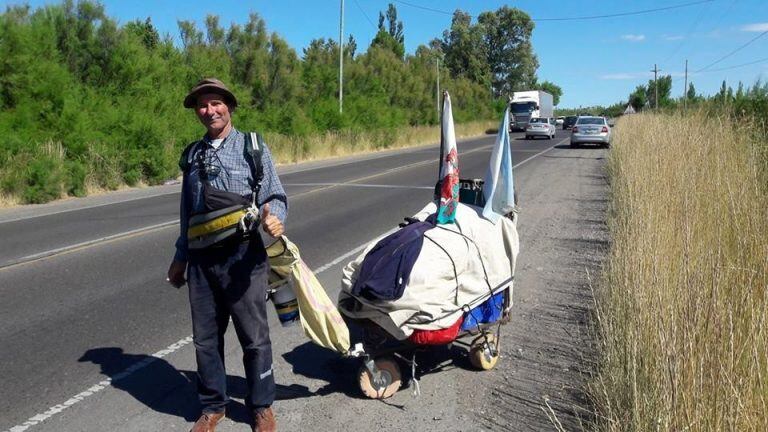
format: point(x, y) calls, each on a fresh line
point(441, 283)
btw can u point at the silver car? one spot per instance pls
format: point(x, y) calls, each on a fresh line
point(591, 130)
point(540, 126)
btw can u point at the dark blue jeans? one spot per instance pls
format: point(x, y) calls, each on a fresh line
point(231, 281)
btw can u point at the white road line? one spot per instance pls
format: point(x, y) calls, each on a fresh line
point(357, 185)
point(539, 153)
point(101, 385)
point(49, 253)
point(130, 370)
point(63, 249)
point(288, 168)
point(55, 212)
point(348, 254)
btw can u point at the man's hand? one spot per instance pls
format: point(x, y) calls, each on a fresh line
point(271, 223)
point(176, 273)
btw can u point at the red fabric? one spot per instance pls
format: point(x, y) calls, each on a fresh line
point(436, 337)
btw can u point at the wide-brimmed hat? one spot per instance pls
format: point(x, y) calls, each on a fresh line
point(209, 85)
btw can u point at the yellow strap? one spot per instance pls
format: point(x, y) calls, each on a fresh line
point(214, 225)
point(292, 308)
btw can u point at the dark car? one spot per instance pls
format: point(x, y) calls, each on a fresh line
point(569, 122)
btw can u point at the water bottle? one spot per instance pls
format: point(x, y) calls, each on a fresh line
point(284, 300)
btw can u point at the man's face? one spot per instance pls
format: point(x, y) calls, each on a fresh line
point(213, 112)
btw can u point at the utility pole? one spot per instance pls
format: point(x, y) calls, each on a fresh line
point(341, 57)
point(437, 92)
point(656, 71)
point(685, 88)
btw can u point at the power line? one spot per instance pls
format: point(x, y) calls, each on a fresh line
point(739, 65)
point(640, 12)
point(733, 52)
point(758, 61)
point(423, 7)
point(693, 27)
point(578, 18)
point(365, 14)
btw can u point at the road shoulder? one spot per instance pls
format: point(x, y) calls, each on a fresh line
point(548, 352)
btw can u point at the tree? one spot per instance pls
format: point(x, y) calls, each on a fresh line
point(145, 31)
point(722, 95)
point(320, 72)
point(664, 84)
point(395, 26)
point(391, 38)
point(466, 53)
point(214, 32)
point(552, 89)
point(351, 47)
point(190, 35)
point(507, 36)
point(638, 98)
point(691, 93)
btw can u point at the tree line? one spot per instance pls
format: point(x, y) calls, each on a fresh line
point(87, 102)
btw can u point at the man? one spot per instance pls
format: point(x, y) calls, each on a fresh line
point(229, 278)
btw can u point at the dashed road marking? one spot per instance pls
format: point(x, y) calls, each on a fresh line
point(130, 370)
point(107, 383)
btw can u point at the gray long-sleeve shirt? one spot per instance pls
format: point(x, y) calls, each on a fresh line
point(228, 170)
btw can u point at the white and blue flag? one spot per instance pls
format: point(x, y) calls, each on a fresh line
point(499, 185)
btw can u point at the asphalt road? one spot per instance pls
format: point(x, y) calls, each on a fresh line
point(84, 299)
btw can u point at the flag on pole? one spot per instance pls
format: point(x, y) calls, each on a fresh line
point(499, 184)
point(449, 166)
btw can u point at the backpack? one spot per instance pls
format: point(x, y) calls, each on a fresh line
point(386, 268)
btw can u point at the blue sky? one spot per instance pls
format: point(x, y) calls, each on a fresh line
point(598, 61)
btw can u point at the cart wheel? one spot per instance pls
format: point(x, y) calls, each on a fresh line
point(484, 356)
point(388, 382)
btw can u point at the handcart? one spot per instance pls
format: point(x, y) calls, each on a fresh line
point(380, 376)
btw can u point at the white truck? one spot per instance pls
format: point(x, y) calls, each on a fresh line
point(527, 104)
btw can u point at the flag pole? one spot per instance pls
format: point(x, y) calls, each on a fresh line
point(442, 156)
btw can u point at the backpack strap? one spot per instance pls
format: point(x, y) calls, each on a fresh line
point(254, 148)
point(185, 161)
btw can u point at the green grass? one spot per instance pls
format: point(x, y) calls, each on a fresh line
point(47, 172)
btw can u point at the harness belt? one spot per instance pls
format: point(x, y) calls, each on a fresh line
point(209, 228)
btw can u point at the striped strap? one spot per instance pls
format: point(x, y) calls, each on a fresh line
point(215, 225)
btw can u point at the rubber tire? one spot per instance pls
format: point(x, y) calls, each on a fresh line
point(572, 145)
point(391, 371)
point(527, 137)
point(477, 352)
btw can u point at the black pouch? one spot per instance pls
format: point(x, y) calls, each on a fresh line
point(217, 199)
point(221, 220)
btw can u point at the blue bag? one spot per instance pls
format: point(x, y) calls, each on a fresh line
point(488, 311)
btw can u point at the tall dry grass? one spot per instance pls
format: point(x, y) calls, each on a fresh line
point(341, 143)
point(683, 304)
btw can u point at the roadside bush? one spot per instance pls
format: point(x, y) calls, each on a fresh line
point(76, 172)
point(111, 95)
point(44, 180)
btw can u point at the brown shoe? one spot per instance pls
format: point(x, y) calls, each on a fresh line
point(207, 422)
point(264, 420)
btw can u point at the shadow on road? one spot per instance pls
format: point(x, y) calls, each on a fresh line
point(581, 147)
point(150, 380)
point(164, 389)
point(315, 362)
